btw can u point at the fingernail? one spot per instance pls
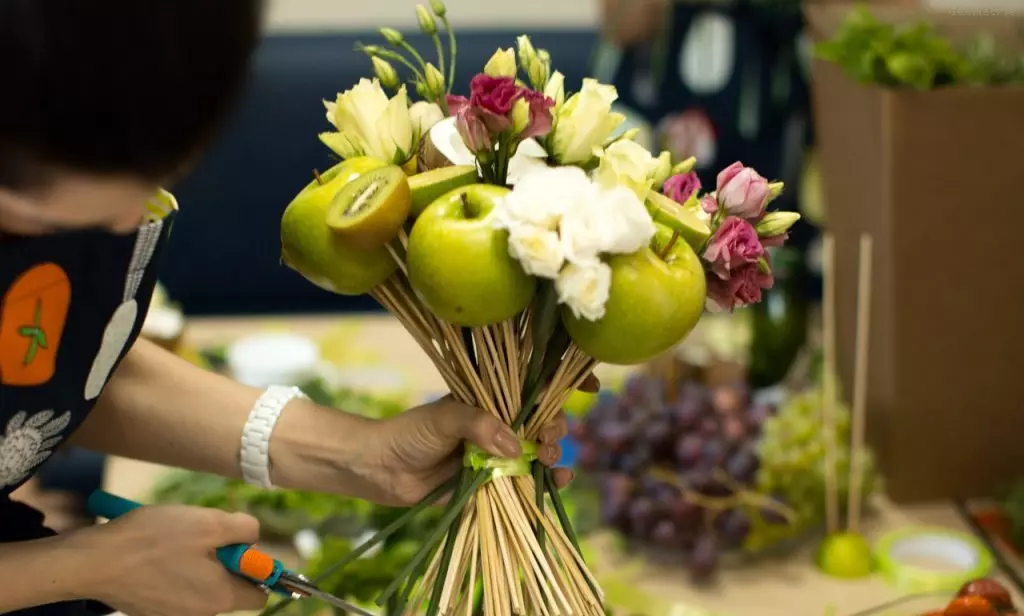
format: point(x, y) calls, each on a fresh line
point(571, 476)
point(551, 453)
point(507, 444)
point(548, 435)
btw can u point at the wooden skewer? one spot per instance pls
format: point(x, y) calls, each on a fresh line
point(860, 382)
point(828, 390)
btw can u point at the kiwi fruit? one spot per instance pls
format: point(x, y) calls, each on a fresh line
point(368, 212)
point(679, 219)
point(428, 186)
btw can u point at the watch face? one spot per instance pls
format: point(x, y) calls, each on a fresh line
point(690, 133)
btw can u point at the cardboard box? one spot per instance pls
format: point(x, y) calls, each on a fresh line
point(936, 178)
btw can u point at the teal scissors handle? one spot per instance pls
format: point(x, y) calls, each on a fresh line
point(242, 560)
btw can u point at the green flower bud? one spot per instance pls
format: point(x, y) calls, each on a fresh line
point(526, 52)
point(539, 73)
point(776, 190)
point(776, 223)
point(423, 90)
point(544, 56)
point(370, 50)
point(629, 135)
point(435, 82)
point(392, 36)
point(427, 24)
point(385, 73)
point(438, 7)
point(685, 167)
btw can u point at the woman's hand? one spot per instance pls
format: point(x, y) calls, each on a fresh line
point(160, 561)
point(423, 447)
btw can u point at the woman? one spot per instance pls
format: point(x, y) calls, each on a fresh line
point(103, 102)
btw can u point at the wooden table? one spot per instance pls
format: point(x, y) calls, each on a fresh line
point(789, 586)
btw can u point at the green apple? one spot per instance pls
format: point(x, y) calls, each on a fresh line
point(845, 555)
point(657, 296)
point(680, 218)
point(459, 263)
point(309, 247)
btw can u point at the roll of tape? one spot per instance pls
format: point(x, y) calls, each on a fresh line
point(931, 559)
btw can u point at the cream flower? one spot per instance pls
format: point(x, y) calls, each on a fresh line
point(584, 123)
point(584, 288)
point(613, 221)
point(538, 250)
point(502, 64)
point(369, 124)
point(424, 116)
point(629, 164)
point(542, 197)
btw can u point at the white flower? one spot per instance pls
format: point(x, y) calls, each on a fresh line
point(613, 221)
point(631, 226)
point(529, 156)
point(584, 288)
point(542, 197)
point(370, 124)
point(538, 250)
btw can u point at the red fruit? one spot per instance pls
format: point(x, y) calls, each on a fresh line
point(934, 613)
point(970, 606)
point(992, 590)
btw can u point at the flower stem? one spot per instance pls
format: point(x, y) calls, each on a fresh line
point(316, 176)
point(440, 54)
point(380, 536)
point(563, 515)
point(415, 54)
point(452, 51)
point(446, 556)
point(396, 57)
point(445, 525)
point(539, 480)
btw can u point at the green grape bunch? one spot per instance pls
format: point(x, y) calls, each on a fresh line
point(793, 467)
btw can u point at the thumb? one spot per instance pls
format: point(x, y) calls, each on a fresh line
point(485, 431)
point(239, 528)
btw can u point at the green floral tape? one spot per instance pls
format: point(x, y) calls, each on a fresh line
point(931, 559)
point(478, 460)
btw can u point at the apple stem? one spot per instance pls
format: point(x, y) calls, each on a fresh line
point(669, 246)
point(319, 180)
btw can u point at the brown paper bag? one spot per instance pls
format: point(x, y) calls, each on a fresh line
point(937, 178)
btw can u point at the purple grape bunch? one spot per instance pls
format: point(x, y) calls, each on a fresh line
point(670, 458)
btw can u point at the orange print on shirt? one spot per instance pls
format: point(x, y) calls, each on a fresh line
point(32, 318)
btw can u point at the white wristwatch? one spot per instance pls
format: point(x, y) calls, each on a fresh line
point(254, 457)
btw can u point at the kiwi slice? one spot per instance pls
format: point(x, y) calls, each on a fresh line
point(428, 186)
point(368, 212)
point(680, 219)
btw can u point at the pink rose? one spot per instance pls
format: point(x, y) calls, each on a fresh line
point(495, 94)
point(474, 132)
point(742, 288)
point(540, 114)
point(734, 244)
point(456, 104)
point(681, 187)
point(742, 191)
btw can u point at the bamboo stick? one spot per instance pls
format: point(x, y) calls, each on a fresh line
point(829, 394)
point(860, 383)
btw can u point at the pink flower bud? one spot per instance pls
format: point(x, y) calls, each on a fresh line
point(474, 132)
point(743, 287)
point(742, 191)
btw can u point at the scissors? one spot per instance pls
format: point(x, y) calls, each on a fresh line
point(243, 560)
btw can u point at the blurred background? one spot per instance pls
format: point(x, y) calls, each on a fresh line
point(898, 119)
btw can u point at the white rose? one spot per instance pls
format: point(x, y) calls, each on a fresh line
point(584, 288)
point(630, 226)
point(538, 250)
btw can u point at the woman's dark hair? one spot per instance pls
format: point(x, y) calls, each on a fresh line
point(135, 87)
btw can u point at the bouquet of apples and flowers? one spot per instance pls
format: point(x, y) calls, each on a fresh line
point(521, 240)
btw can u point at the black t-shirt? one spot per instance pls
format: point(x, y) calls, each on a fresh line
point(71, 305)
